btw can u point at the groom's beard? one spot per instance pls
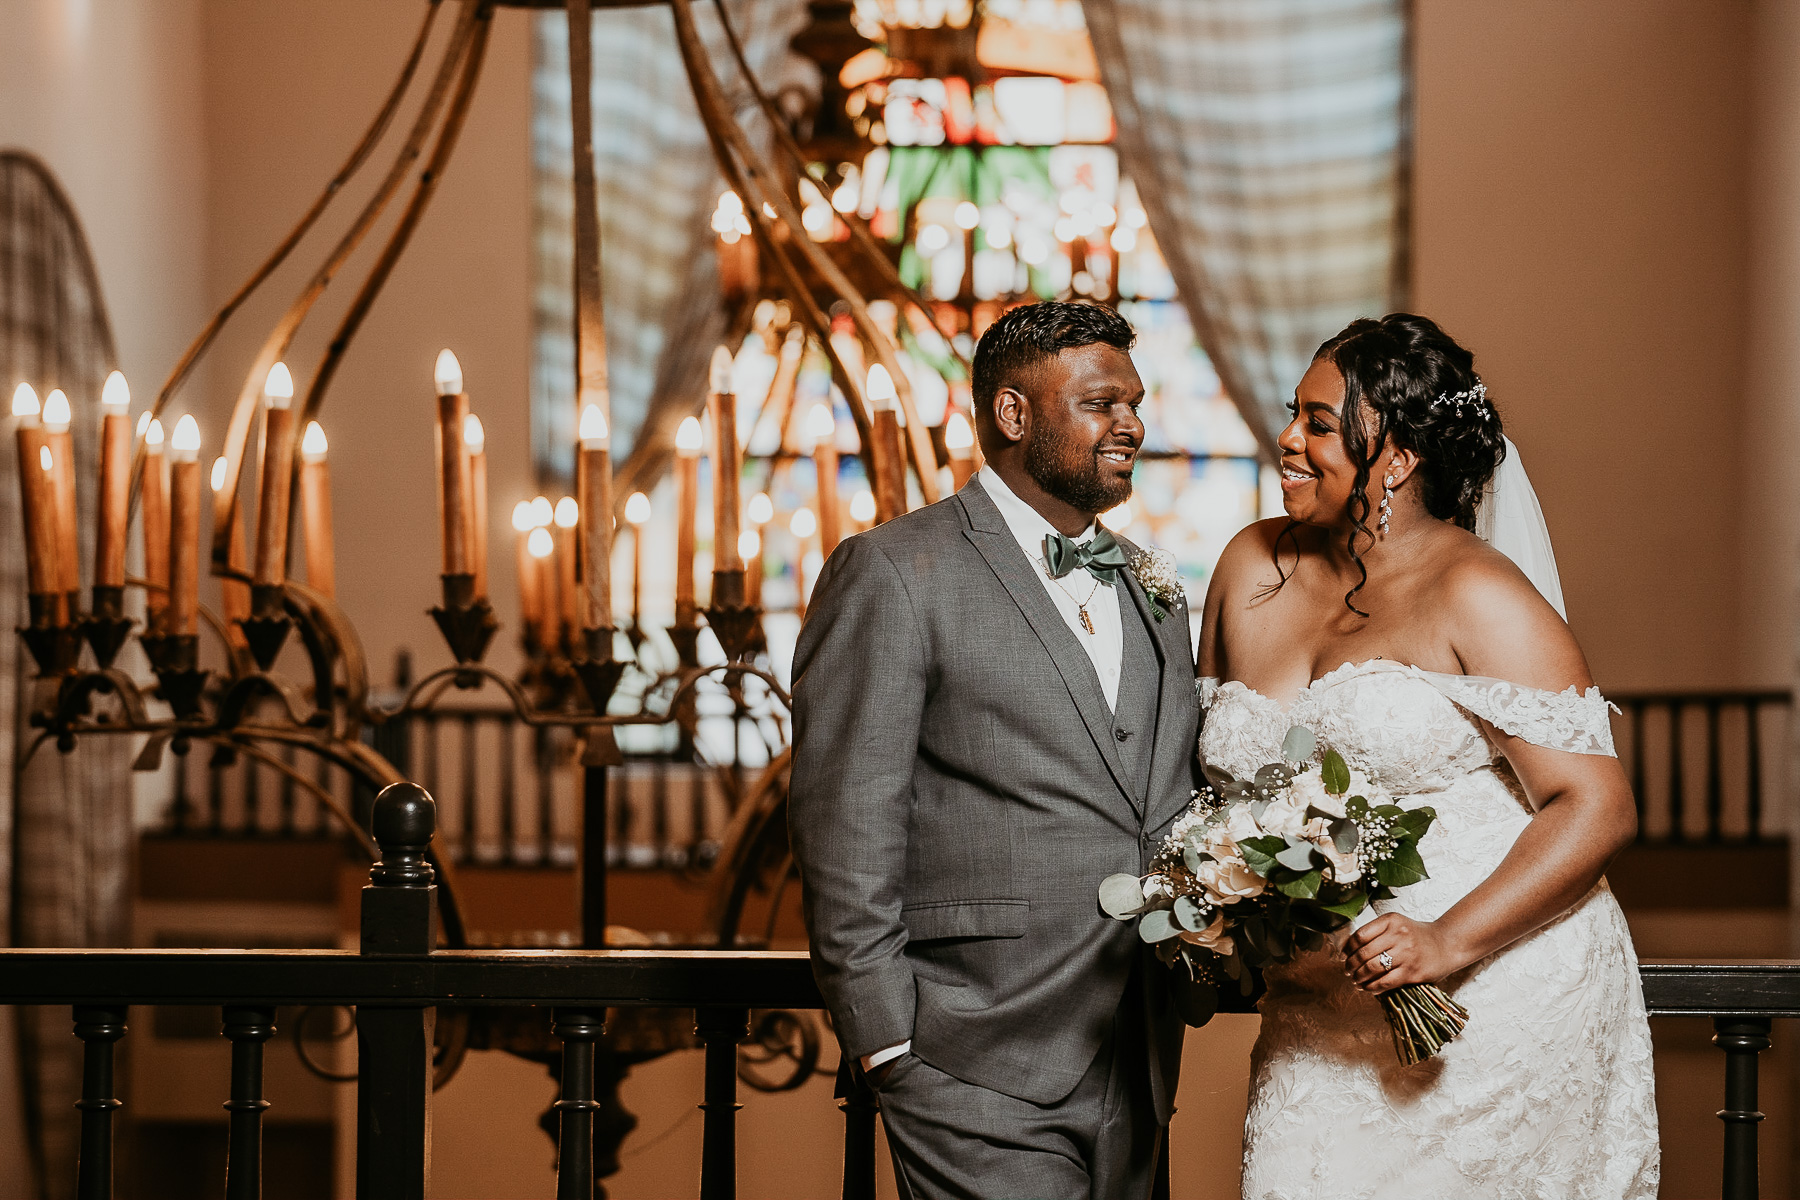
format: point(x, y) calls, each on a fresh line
point(1071, 472)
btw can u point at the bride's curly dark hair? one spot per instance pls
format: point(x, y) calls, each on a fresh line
point(1402, 375)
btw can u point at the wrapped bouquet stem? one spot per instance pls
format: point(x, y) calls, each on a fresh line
point(1258, 870)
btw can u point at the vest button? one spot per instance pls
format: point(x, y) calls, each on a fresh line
point(1121, 734)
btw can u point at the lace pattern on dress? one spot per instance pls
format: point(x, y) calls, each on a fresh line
point(1578, 722)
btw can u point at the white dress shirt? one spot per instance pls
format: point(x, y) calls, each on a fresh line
point(1105, 646)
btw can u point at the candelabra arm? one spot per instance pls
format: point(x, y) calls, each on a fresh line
point(235, 703)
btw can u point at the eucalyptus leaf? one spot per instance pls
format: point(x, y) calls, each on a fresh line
point(1299, 744)
point(1157, 925)
point(1357, 806)
point(1335, 772)
point(1257, 809)
point(1403, 868)
point(1218, 776)
point(1122, 896)
point(1192, 858)
point(1303, 888)
point(1169, 952)
point(1274, 775)
point(1298, 856)
point(1345, 835)
point(1189, 915)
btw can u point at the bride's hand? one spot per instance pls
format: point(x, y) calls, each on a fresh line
point(1419, 951)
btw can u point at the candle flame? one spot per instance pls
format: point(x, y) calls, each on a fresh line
point(881, 391)
point(760, 510)
point(115, 395)
point(143, 425)
point(540, 544)
point(220, 465)
point(637, 508)
point(957, 434)
point(25, 401)
point(186, 439)
point(593, 425)
point(56, 411)
point(448, 374)
point(153, 435)
point(313, 445)
point(862, 506)
point(967, 215)
point(820, 424)
point(542, 513)
point(687, 437)
point(278, 388)
point(474, 436)
point(44, 460)
point(522, 516)
point(568, 513)
point(804, 524)
point(719, 376)
point(749, 544)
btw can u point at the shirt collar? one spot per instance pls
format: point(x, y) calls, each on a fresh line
point(1027, 524)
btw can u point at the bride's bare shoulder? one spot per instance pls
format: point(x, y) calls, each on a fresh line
point(1251, 553)
point(1502, 627)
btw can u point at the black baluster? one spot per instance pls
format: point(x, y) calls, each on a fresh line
point(544, 765)
point(859, 1108)
point(466, 843)
point(394, 1044)
point(218, 767)
point(1677, 784)
point(1715, 786)
point(98, 1027)
point(1742, 1039)
point(1753, 767)
point(579, 1029)
point(593, 870)
point(291, 757)
point(721, 1029)
point(509, 823)
point(1637, 765)
point(248, 1027)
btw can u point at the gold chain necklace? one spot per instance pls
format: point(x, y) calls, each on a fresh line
point(1087, 622)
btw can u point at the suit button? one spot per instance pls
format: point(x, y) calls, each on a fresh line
point(1121, 734)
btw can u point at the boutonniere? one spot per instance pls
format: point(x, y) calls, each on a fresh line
point(1158, 575)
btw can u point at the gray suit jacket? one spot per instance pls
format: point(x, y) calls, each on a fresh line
point(957, 798)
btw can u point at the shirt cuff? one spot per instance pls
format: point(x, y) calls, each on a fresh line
point(871, 1061)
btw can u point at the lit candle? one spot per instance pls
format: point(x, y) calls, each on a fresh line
point(727, 463)
point(687, 489)
point(315, 510)
point(37, 499)
point(475, 444)
point(234, 594)
point(760, 510)
point(453, 464)
point(277, 472)
point(822, 427)
point(637, 514)
point(115, 482)
point(155, 496)
point(57, 418)
point(184, 529)
point(803, 526)
point(593, 489)
point(862, 507)
point(539, 547)
point(959, 440)
point(568, 516)
point(890, 467)
point(530, 593)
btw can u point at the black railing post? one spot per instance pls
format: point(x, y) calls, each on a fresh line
point(593, 853)
point(98, 1027)
point(859, 1108)
point(394, 1044)
point(1742, 1039)
point(579, 1029)
point(248, 1027)
point(721, 1029)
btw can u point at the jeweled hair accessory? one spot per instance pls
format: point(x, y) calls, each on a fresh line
point(1472, 401)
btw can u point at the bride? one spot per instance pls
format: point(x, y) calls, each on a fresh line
point(1376, 616)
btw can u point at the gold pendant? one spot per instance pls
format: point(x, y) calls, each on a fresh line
point(1086, 623)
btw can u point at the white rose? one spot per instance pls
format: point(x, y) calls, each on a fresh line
point(1239, 824)
point(1214, 937)
point(1285, 817)
point(1228, 881)
point(1309, 789)
point(1344, 867)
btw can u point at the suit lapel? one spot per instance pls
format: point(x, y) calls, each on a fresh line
point(989, 534)
point(1174, 654)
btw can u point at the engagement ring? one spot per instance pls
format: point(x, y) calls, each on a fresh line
point(1386, 960)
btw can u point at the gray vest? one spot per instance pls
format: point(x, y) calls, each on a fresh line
point(1140, 688)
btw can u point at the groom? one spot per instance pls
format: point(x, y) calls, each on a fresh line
point(990, 717)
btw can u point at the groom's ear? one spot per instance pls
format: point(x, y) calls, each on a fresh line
point(1011, 412)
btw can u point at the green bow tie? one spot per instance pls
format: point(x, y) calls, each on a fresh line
point(1103, 557)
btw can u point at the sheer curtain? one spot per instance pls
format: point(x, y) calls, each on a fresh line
point(1270, 140)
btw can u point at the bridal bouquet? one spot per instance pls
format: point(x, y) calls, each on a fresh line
point(1260, 869)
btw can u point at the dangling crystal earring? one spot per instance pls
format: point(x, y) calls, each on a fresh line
point(1387, 502)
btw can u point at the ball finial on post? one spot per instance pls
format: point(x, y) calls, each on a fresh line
point(404, 819)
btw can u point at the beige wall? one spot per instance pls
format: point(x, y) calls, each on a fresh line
point(1582, 203)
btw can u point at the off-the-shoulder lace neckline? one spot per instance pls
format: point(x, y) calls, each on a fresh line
point(1328, 679)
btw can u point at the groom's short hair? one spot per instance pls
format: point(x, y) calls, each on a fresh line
point(1013, 347)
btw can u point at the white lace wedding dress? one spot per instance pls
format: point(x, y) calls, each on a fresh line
point(1548, 1093)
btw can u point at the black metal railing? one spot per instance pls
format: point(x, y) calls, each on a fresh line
point(397, 982)
point(1706, 767)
